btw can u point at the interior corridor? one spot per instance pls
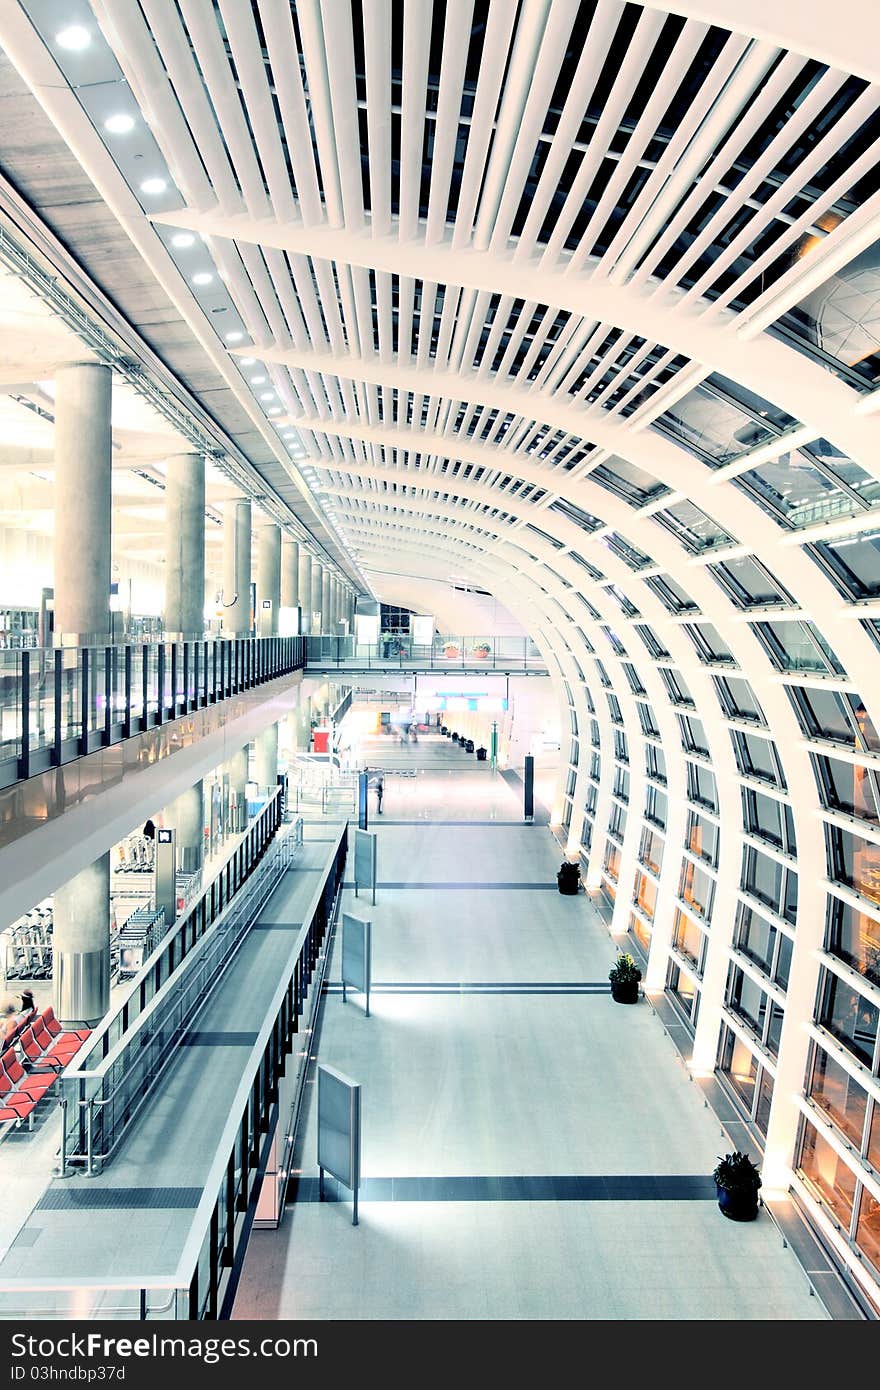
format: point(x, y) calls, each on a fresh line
point(530, 1148)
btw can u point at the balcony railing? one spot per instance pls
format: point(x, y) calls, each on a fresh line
point(399, 652)
point(60, 703)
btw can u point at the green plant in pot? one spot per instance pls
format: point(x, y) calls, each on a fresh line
point(737, 1181)
point(625, 976)
point(568, 878)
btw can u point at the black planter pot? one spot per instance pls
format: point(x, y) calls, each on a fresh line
point(738, 1205)
point(568, 880)
point(469, 746)
point(443, 729)
point(481, 755)
point(625, 992)
point(455, 738)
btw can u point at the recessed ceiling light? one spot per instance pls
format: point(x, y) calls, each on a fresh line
point(257, 380)
point(154, 185)
point(274, 410)
point(182, 240)
point(234, 336)
point(120, 124)
point(267, 395)
point(74, 38)
point(202, 277)
point(247, 361)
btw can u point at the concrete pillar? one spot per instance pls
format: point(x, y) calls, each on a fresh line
point(317, 591)
point(266, 758)
point(326, 615)
point(268, 579)
point(186, 815)
point(289, 574)
point(305, 590)
point(81, 942)
point(236, 768)
point(185, 545)
point(237, 567)
point(82, 501)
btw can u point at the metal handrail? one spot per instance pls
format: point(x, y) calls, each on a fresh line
point(181, 1278)
point(193, 983)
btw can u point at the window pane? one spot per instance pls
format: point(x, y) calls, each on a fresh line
point(838, 1094)
point(765, 1100)
point(847, 787)
point(854, 937)
point(849, 1017)
point(697, 889)
point(702, 838)
point(740, 1067)
point(756, 938)
point(828, 1173)
point(853, 860)
point(746, 998)
point(688, 939)
point(868, 1229)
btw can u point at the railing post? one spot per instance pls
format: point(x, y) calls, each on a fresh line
point(108, 694)
point(145, 685)
point(84, 702)
point(160, 703)
point(59, 678)
point(24, 694)
point(173, 705)
point(127, 670)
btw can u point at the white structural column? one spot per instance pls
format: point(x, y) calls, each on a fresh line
point(237, 567)
point(185, 545)
point(326, 615)
point(289, 577)
point(81, 945)
point(186, 815)
point(266, 757)
point(82, 502)
point(317, 594)
point(236, 769)
point(268, 579)
point(305, 591)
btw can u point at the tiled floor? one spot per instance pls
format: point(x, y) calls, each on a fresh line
point(510, 1081)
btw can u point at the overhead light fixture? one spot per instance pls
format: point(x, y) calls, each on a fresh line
point(257, 380)
point(154, 186)
point(234, 336)
point(267, 395)
point(120, 123)
point(274, 410)
point(74, 38)
point(182, 240)
point(202, 277)
point(248, 361)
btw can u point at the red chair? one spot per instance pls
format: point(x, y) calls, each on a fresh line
point(18, 1105)
point(34, 1085)
point(54, 1054)
point(54, 1027)
point(32, 1048)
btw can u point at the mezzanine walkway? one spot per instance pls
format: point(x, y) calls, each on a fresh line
point(530, 1149)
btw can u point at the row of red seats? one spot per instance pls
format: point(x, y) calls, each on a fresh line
point(49, 1048)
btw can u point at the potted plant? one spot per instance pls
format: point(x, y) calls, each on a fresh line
point(481, 754)
point(737, 1181)
point(624, 976)
point(451, 650)
point(568, 878)
point(469, 745)
point(482, 650)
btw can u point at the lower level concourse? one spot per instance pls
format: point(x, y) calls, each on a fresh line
point(531, 1149)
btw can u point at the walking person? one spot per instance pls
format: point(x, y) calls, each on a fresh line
point(379, 786)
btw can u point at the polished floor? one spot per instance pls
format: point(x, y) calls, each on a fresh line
point(530, 1149)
